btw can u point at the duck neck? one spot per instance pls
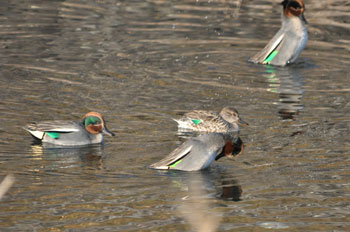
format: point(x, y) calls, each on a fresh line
point(293, 23)
point(234, 127)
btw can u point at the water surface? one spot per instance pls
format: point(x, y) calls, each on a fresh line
point(142, 63)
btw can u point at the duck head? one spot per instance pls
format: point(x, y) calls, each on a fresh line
point(294, 8)
point(226, 151)
point(95, 124)
point(231, 149)
point(231, 115)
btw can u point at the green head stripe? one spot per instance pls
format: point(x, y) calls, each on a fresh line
point(270, 57)
point(196, 121)
point(176, 163)
point(54, 135)
point(92, 120)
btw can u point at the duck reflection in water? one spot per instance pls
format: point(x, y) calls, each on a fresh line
point(231, 190)
point(212, 182)
point(288, 83)
point(202, 188)
point(62, 157)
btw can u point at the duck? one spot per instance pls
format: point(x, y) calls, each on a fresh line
point(89, 130)
point(198, 153)
point(210, 121)
point(285, 47)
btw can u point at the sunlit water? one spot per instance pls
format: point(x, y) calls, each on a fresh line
point(142, 63)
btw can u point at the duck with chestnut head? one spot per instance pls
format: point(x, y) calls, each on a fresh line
point(199, 153)
point(70, 133)
point(285, 47)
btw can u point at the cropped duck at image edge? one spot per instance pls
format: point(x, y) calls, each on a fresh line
point(285, 47)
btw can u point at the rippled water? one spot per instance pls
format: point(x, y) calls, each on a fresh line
point(141, 63)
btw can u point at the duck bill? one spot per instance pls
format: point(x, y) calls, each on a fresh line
point(242, 122)
point(107, 132)
point(304, 19)
point(222, 154)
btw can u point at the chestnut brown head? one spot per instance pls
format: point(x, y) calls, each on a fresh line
point(294, 8)
point(95, 124)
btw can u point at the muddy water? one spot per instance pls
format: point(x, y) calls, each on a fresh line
point(142, 63)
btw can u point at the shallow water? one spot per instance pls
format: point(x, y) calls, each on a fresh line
point(142, 63)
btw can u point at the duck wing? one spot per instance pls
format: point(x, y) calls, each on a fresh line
point(174, 156)
point(267, 54)
point(56, 126)
point(201, 115)
point(38, 129)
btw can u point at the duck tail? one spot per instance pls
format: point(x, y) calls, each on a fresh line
point(34, 132)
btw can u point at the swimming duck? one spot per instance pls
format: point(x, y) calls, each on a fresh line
point(199, 152)
point(210, 121)
point(70, 133)
point(285, 47)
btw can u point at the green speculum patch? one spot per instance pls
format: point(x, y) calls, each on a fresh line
point(271, 56)
point(196, 121)
point(54, 135)
point(176, 163)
